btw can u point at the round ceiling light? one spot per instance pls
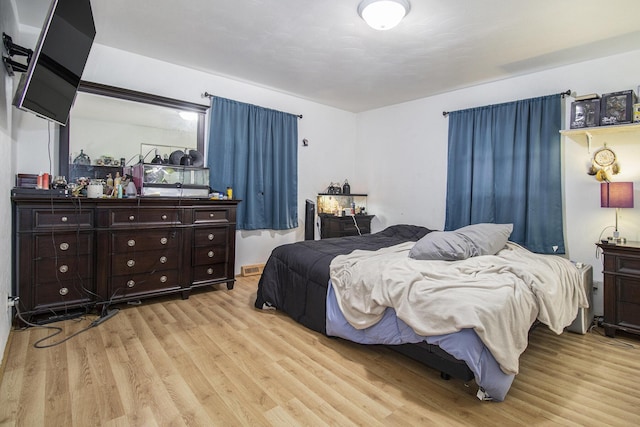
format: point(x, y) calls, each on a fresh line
point(383, 14)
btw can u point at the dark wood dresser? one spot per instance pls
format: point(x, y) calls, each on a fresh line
point(621, 287)
point(73, 254)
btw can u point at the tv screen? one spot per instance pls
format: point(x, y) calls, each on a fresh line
point(49, 86)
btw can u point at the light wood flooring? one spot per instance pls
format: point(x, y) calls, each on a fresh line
point(215, 360)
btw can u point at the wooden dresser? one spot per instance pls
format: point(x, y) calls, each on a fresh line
point(621, 287)
point(72, 255)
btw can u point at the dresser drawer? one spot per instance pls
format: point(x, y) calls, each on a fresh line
point(628, 265)
point(143, 283)
point(63, 244)
point(135, 217)
point(351, 229)
point(46, 219)
point(63, 293)
point(205, 273)
point(140, 262)
point(210, 236)
point(213, 215)
point(629, 290)
point(339, 226)
point(48, 270)
point(209, 255)
point(135, 241)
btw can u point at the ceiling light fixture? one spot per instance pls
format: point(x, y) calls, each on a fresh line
point(383, 14)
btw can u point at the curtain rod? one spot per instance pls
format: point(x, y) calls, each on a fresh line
point(562, 94)
point(210, 95)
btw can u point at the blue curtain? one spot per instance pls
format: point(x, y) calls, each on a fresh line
point(504, 166)
point(254, 150)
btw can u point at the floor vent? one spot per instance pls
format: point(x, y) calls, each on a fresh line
point(252, 270)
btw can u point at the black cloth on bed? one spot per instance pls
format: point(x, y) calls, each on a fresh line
point(296, 275)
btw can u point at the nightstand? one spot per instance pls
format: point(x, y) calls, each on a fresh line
point(621, 287)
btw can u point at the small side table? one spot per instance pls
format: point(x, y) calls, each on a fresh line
point(621, 287)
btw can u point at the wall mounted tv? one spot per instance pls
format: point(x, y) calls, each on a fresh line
point(49, 86)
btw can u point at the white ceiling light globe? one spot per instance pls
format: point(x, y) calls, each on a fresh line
point(383, 14)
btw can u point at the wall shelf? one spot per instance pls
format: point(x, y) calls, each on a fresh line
point(587, 134)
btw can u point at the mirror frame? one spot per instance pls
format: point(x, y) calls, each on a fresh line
point(129, 95)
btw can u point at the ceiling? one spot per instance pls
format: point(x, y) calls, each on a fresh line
point(321, 50)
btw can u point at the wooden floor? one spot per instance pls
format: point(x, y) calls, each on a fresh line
point(215, 360)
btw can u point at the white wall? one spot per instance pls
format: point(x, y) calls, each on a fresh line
point(8, 25)
point(405, 155)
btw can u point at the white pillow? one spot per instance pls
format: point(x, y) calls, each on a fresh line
point(465, 242)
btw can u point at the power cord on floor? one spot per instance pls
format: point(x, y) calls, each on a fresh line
point(616, 342)
point(106, 315)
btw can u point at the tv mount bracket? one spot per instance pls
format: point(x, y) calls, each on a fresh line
point(14, 49)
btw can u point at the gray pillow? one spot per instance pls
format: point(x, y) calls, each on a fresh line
point(465, 242)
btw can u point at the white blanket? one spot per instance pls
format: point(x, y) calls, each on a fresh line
point(499, 296)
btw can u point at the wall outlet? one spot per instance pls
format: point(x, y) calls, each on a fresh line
point(596, 285)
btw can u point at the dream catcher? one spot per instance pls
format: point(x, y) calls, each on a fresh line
point(604, 164)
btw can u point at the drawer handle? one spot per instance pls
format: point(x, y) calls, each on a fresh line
point(64, 219)
point(64, 246)
point(211, 215)
point(163, 217)
point(131, 283)
point(209, 271)
point(132, 217)
point(131, 263)
point(131, 243)
point(163, 279)
point(64, 268)
point(211, 254)
point(63, 291)
point(163, 259)
point(164, 240)
point(210, 236)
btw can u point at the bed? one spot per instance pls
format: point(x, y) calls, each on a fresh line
point(369, 289)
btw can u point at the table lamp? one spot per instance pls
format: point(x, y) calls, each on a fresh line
point(616, 195)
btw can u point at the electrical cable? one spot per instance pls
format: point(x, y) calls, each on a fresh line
point(613, 341)
point(600, 240)
point(356, 224)
point(58, 330)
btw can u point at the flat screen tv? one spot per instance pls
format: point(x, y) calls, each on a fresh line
point(49, 86)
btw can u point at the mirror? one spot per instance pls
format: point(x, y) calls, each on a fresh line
point(108, 124)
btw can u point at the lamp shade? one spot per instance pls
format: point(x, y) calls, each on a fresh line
point(616, 195)
point(383, 14)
